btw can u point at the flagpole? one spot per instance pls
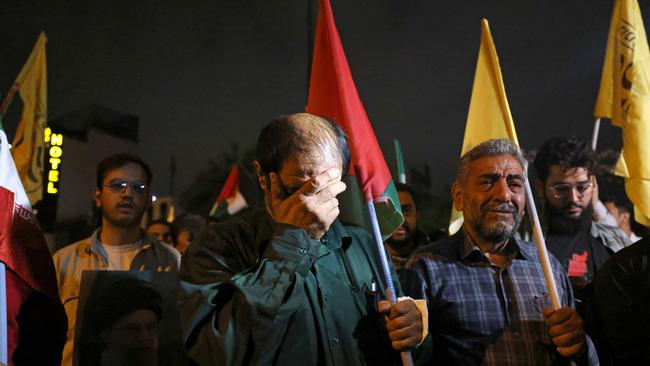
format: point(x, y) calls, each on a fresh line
point(399, 159)
point(541, 249)
point(407, 360)
point(214, 208)
point(594, 137)
point(310, 39)
point(172, 174)
point(8, 99)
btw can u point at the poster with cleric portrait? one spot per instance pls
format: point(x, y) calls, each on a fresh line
point(128, 318)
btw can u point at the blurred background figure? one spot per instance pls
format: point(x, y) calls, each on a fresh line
point(408, 237)
point(620, 306)
point(185, 229)
point(161, 230)
point(600, 213)
point(623, 212)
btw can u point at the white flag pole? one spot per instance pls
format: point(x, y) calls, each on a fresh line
point(541, 248)
point(594, 137)
point(407, 360)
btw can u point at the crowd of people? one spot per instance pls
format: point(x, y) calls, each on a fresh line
point(291, 284)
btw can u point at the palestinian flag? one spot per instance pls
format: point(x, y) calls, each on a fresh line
point(332, 94)
point(230, 199)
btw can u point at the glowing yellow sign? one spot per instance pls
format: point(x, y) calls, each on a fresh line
point(55, 152)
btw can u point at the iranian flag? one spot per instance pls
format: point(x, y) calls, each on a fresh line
point(230, 200)
point(30, 272)
point(333, 94)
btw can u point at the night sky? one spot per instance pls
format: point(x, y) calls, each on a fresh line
point(201, 74)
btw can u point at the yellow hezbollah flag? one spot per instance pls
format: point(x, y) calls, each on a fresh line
point(624, 97)
point(489, 113)
point(28, 144)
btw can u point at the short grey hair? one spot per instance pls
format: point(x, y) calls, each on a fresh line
point(492, 147)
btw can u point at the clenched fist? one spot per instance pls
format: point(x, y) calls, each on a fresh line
point(566, 330)
point(403, 322)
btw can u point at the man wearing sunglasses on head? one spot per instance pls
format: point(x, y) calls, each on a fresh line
point(122, 194)
point(566, 182)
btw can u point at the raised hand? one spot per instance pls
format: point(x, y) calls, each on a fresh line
point(313, 207)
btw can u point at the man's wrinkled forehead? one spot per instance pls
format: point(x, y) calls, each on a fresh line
point(504, 164)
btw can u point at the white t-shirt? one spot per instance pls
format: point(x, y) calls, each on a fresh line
point(121, 256)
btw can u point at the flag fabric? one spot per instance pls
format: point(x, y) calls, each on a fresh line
point(4, 329)
point(333, 94)
point(624, 97)
point(399, 160)
point(489, 113)
point(230, 199)
point(24, 252)
point(28, 144)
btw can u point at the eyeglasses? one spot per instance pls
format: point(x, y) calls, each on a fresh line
point(566, 190)
point(119, 186)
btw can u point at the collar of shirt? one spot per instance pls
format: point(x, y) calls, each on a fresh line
point(97, 247)
point(470, 252)
point(611, 237)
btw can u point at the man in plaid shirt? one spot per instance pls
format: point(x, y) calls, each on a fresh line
point(486, 292)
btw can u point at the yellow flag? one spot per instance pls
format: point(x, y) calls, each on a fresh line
point(489, 113)
point(28, 145)
point(624, 97)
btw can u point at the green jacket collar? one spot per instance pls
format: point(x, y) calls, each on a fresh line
point(334, 238)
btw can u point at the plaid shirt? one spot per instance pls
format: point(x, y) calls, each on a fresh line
point(480, 314)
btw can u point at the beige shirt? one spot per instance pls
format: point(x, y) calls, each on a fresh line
point(91, 255)
point(120, 257)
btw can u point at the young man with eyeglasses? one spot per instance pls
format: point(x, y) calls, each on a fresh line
point(122, 194)
point(565, 180)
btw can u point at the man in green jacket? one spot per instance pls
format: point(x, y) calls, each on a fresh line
point(291, 285)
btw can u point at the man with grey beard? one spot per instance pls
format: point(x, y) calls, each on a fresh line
point(486, 292)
